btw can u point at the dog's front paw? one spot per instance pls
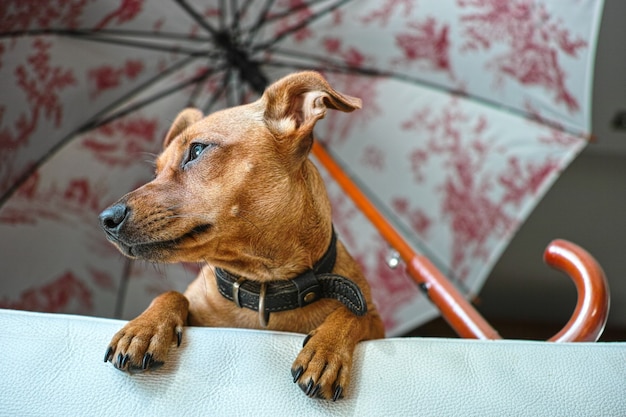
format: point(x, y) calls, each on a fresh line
point(143, 344)
point(322, 369)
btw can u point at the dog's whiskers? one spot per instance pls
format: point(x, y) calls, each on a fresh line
point(151, 158)
point(174, 207)
point(205, 217)
point(188, 216)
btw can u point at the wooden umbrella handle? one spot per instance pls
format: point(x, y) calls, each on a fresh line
point(588, 319)
point(592, 307)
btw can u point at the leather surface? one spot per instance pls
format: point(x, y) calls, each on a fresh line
point(53, 365)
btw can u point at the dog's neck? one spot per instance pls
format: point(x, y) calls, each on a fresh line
point(301, 239)
point(324, 265)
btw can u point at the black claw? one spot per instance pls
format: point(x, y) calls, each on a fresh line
point(306, 340)
point(315, 391)
point(179, 338)
point(109, 353)
point(120, 359)
point(338, 392)
point(147, 361)
point(125, 360)
point(309, 387)
point(297, 373)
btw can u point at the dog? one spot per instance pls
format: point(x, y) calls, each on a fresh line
point(237, 191)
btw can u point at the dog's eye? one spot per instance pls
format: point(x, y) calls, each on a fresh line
point(195, 150)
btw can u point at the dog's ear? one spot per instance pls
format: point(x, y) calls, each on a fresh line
point(296, 102)
point(185, 118)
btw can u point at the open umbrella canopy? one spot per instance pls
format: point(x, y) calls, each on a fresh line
point(471, 110)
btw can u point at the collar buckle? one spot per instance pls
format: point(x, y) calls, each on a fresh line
point(264, 315)
point(236, 286)
point(308, 287)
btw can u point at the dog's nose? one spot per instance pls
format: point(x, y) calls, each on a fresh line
point(112, 218)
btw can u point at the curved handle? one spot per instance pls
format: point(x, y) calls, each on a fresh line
point(592, 307)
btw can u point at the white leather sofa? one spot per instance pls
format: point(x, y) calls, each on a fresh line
point(52, 365)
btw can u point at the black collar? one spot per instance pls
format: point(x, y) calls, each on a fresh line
point(281, 295)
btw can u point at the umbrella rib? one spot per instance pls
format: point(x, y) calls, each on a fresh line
point(96, 37)
point(144, 45)
point(176, 66)
point(42, 160)
point(151, 99)
point(260, 21)
point(228, 79)
point(196, 92)
point(241, 90)
point(222, 12)
point(299, 26)
point(162, 35)
point(324, 64)
point(115, 32)
point(239, 12)
point(165, 35)
point(197, 17)
point(294, 9)
point(122, 289)
point(207, 107)
point(236, 85)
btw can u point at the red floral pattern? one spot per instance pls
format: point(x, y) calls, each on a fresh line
point(420, 222)
point(293, 21)
point(79, 198)
point(427, 40)
point(66, 294)
point(27, 14)
point(388, 8)
point(126, 12)
point(41, 83)
point(107, 77)
point(534, 39)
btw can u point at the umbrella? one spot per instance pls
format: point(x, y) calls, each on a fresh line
point(471, 110)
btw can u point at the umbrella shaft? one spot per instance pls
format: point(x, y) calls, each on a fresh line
point(457, 311)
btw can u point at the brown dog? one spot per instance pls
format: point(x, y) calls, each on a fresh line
point(236, 190)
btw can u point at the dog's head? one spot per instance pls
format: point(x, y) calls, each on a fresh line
point(228, 181)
